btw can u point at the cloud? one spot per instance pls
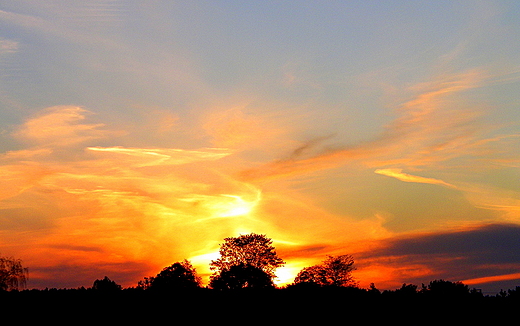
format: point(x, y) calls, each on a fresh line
point(115, 205)
point(239, 128)
point(399, 175)
point(161, 156)
point(54, 23)
point(122, 273)
point(436, 130)
point(8, 46)
point(59, 126)
point(482, 254)
point(427, 131)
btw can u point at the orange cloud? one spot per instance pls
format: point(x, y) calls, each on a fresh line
point(60, 126)
point(495, 278)
point(115, 205)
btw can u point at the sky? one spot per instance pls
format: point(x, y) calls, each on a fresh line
point(135, 134)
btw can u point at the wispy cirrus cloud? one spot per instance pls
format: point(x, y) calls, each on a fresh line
point(398, 174)
point(60, 126)
point(8, 46)
point(427, 130)
point(67, 21)
point(163, 156)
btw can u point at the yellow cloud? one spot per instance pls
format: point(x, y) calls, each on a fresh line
point(398, 174)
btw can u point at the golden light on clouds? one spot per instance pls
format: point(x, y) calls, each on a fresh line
point(399, 175)
point(159, 156)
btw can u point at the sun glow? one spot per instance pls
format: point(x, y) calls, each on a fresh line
point(226, 205)
point(236, 207)
point(285, 275)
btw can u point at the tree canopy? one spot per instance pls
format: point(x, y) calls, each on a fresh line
point(178, 276)
point(249, 260)
point(105, 285)
point(241, 277)
point(443, 288)
point(333, 271)
point(12, 274)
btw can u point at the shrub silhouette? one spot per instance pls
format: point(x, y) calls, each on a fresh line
point(178, 276)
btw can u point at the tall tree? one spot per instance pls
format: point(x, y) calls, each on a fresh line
point(12, 274)
point(333, 271)
point(250, 256)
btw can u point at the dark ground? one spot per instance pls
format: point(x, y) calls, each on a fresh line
point(276, 307)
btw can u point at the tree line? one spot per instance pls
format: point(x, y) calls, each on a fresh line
point(249, 262)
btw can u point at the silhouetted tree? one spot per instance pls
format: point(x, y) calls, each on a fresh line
point(145, 284)
point(513, 294)
point(373, 290)
point(334, 271)
point(407, 290)
point(442, 288)
point(245, 261)
point(241, 277)
point(13, 275)
point(106, 285)
point(178, 276)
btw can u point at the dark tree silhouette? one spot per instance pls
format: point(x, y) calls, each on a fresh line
point(512, 293)
point(13, 275)
point(334, 271)
point(245, 261)
point(145, 284)
point(407, 290)
point(178, 276)
point(241, 277)
point(442, 288)
point(106, 285)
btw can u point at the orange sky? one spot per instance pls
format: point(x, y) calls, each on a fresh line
point(79, 204)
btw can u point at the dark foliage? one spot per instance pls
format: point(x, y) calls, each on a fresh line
point(13, 276)
point(334, 271)
point(106, 285)
point(442, 288)
point(178, 276)
point(241, 277)
point(245, 261)
point(292, 305)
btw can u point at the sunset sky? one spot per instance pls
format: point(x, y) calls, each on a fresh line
point(134, 134)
